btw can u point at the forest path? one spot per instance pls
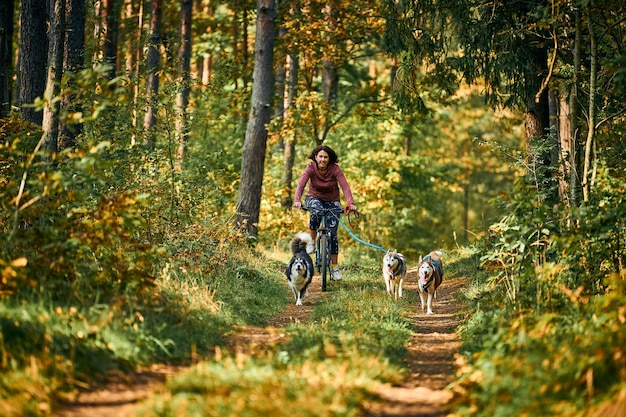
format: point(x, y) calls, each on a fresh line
point(430, 360)
point(430, 363)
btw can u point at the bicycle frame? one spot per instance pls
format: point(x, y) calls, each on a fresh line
point(322, 246)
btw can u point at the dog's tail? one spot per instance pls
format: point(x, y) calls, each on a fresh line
point(302, 242)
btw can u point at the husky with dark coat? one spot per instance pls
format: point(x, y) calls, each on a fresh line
point(394, 273)
point(430, 277)
point(300, 268)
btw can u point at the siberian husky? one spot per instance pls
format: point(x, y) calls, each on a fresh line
point(394, 273)
point(430, 277)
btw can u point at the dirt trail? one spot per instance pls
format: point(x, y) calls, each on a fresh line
point(430, 363)
point(431, 359)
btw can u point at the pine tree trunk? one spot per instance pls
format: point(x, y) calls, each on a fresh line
point(330, 77)
point(205, 63)
point(184, 68)
point(565, 140)
point(253, 161)
point(56, 37)
point(587, 181)
point(574, 113)
point(6, 55)
point(152, 64)
point(33, 56)
point(110, 10)
point(74, 52)
point(536, 124)
point(290, 145)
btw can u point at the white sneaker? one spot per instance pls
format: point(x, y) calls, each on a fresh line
point(336, 274)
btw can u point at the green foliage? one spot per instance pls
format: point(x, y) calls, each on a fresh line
point(97, 277)
point(547, 332)
point(419, 182)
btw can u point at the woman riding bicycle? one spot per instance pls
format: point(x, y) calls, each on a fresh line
point(325, 178)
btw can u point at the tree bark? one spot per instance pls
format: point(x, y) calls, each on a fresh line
point(33, 46)
point(6, 56)
point(330, 77)
point(565, 142)
point(253, 161)
point(74, 57)
point(152, 64)
point(56, 38)
point(110, 23)
point(133, 23)
point(587, 181)
point(574, 112)
point(184, 68)
point(286, 180)
point(205, 64)
point(536, 123)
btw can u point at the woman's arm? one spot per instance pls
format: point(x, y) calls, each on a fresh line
point(345, 187)
point(304, 178)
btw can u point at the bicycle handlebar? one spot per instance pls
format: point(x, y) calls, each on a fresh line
point(332, 210)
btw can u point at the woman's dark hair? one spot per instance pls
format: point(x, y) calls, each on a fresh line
point(332, 156)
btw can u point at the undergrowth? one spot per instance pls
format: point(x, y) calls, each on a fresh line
point(546, 335)
point(96, 278)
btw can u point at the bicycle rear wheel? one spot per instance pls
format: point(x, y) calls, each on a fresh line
point(324, 251)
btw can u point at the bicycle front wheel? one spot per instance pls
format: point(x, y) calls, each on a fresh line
point(324, 251)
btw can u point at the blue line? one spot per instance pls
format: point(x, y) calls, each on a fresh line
point(362, 241)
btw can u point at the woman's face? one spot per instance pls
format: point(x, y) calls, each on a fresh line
point(322, 159)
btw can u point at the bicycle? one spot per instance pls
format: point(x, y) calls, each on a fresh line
point(322, 244)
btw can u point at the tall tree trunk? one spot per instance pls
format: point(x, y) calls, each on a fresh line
point(253, 161)
point(574, 112)
point(56, 39)
point(74, 57)
point(134, 57)
point(565, 142)
point(110, 10)
point(152, 64)
point(6, 55)
point(286, 180)
point(587, 181)
point(206, 62)
point(536, 123)
point(292, 67)
point(130, 32)
point(33, 55)
point(184, 68)
point(330, 76)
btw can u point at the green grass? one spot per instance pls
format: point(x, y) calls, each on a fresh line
point(66, 345)
point(356, 338)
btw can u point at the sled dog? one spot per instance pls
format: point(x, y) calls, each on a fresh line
point(394, 273)
point(430, 277)
point(300, 270)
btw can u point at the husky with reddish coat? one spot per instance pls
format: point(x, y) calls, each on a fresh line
point(300, 270)
point(394, 273)
point(430, 277)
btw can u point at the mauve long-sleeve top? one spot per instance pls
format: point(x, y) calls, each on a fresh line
point(324, 186)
